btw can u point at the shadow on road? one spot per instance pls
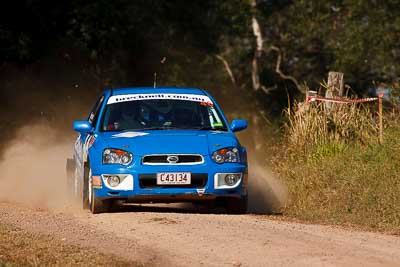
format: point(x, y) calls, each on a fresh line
point(167, 208)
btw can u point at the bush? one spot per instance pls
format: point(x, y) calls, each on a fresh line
point(335, 169)
point(312, 125)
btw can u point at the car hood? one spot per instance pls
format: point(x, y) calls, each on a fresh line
point(166, 141)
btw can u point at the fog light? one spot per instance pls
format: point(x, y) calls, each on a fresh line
point(113, 181)
point(231, 179)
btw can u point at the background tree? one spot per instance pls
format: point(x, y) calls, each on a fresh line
point(123, 41)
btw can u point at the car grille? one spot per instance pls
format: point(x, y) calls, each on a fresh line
point(198, 180)
point(166, 159)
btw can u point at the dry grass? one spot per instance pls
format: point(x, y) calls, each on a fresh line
point(312, 125)
point(22, 248)
point(335, 169)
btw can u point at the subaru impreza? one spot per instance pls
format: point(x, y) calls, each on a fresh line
point(158, 145)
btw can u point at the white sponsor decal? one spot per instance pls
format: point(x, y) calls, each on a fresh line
point(129, 134)
point(132, 97)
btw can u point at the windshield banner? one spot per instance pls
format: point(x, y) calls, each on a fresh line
point(134, 97)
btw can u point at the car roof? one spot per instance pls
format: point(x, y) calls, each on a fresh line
point(152, 90)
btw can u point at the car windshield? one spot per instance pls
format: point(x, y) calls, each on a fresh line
point(161, 114)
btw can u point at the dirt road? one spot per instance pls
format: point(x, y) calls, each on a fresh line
point(183, 236)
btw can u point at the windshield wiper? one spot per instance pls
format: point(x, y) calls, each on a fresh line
point(197, 128)
point(159, 128)
point(206, 128)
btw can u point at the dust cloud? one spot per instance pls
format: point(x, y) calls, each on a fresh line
point(267, 194)
point(33, 171)
point(33, 156)
point(33, 167)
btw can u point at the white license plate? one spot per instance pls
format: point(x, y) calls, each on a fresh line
point(173, 178)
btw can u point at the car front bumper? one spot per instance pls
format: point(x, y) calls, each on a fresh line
point(141, 189)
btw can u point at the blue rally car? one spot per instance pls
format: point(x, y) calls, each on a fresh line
point(162, 145)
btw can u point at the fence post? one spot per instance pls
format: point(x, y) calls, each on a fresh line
point(335, 83)
point(380, 114)
point(335, 87)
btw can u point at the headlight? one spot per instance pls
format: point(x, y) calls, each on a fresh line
point(116, 156)
point(230, 154)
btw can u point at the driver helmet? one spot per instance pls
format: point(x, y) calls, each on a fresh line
point(129, 110)
point(163, 106)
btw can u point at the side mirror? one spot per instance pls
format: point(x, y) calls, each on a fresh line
point(238, 125)
point(83, 126)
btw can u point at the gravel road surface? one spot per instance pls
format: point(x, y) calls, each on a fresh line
point(166, 235)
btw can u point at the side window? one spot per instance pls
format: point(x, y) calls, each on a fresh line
point(94, 114)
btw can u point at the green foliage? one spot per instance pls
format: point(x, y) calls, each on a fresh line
point(358, 38)
point(101, 27)
point(327, 150)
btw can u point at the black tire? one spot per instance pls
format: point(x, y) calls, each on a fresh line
point(99, 205)
point(95, 204)
point(236, 205)
point(85, 186)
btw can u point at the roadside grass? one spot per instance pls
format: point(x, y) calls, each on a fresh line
point(21, 248)
point(337, 172)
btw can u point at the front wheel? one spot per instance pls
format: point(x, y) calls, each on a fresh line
point(87, 174)
point(95, 204)
point(236, 205)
